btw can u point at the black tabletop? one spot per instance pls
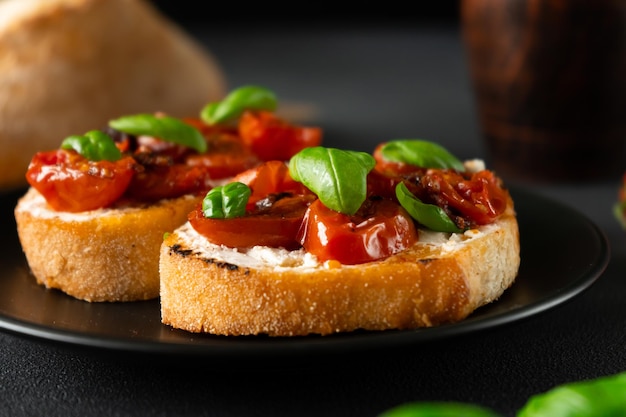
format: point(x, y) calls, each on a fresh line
point(365, 84)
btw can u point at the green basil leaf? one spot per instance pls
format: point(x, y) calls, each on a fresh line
point(429, 215)
point(604, 396)
point(226, 201)
point(94, 145)
point(338, 177)
point(438, 409)
point(421, 153)
point(166, 128)
point(235, 103)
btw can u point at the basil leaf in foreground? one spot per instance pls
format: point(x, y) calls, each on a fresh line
point(429, 215)
point(439, 409)
point(94, 145)
point(169, 129)
point(226, 201)
point(338, 177)
point(604, 396)
point(421, 153)
point(249, 97)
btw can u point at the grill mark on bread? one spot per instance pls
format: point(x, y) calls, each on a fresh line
point(222, 264)
point(178, 249)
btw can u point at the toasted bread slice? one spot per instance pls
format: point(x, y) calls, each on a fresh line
point(100, 255)
point(441, 279)
point(69, 66)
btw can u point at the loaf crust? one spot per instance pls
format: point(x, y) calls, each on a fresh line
point(100, 255)
point(212, 289)
point(69, 66)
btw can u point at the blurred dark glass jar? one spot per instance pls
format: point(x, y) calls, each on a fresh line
point(549, 77)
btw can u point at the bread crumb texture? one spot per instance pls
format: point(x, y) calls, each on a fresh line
point(100, 255)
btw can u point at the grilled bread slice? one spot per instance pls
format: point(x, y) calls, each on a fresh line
point(100, 255)
point(443, 278)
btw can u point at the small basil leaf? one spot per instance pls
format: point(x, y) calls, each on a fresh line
point(338, 177)
point(95, 145)
point(429, 215)
point(226, 201)
point(207, 114)
point(604, 396)
point(421, 153)
point(234, 104)
point(166, 128)
point(438, 409)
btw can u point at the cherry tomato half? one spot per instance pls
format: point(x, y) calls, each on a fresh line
point(70, 182)
point(379, 229)
point(270, 137)
point(271, 177)
point(478, 196)
point(156, 182)
point(227, 156)
point(274, 225)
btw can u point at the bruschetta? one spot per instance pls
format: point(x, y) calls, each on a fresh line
point(92, 222)
point(337, 241)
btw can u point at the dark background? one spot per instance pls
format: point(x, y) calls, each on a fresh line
point(285, 15)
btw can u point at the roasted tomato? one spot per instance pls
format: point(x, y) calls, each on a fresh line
point(275, 211)
point(469, 198)
point(69, 182)
point(382, 184)
point(379, 229)
point(171, 170)
point(478, 198)
point(391, 168)
point(155, 182)
point(274, 222)
point(271, 138)
point(271, 177)
point(227, 155)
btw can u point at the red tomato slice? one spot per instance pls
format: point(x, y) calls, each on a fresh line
point(72, 183)
point(271, 138)
point(380, 229)
point(274, 226)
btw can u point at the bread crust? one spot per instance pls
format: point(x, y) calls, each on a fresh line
point(427, 285)
point(100, 255)
point(69, 66)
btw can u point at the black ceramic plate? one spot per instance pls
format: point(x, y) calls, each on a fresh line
point(579, 255)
